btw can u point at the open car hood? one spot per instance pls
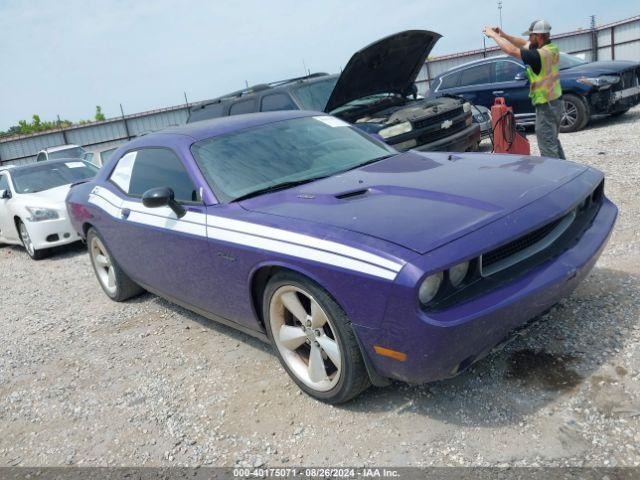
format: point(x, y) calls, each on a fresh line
point(389, 65)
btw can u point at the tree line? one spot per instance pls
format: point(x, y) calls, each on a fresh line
point(25, 127)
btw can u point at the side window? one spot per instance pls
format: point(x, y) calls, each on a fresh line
point(450, 81)
point(277, 101)
point(476, 75)
point(244, 106)
point(4, 183)
point(41, 157)
point(507, 71)
point(214, 110)
point(121, 175)
point(160, 167)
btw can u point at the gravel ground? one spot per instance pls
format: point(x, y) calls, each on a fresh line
point(87, 381)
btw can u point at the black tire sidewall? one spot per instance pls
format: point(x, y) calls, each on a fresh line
point(582, 112)
point(125, 287)
point(92, 232)
point(350, 382)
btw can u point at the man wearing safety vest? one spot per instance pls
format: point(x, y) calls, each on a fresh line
point(542, 59)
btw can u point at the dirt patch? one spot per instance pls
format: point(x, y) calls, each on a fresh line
point(621, 371)
point(538, 368)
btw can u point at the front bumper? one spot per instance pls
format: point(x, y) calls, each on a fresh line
point(613, 101)
point(51, 233)
point(442, 346)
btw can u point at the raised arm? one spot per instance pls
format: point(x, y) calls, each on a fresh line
point(505, 45)
point(517, 41)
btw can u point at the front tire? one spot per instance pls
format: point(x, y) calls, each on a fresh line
point(27, 242)
point(575, 113)
point(313, 339)
point(115, 283)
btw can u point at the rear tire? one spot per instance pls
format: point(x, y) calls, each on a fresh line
point(575, 113)
point(313, 339)
point(115, 283)
point(25, 238)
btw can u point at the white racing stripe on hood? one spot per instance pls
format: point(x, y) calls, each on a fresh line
point(249, 234)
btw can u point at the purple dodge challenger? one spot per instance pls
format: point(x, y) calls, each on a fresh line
point(358, 263)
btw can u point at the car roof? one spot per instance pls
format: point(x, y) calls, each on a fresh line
point(477, 62)
point(60, 147)
point(264, 87)
point(219, 126)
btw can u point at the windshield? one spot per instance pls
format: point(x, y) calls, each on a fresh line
point(75, 152)
point(314, 96)
point(568, 61)
point(278, 153)
point(42, 177)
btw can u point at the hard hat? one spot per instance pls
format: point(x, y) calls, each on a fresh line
point(538, 26)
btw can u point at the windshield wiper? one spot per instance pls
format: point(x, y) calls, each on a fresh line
point(373, 160)
point(295, 183)
point(276, 187)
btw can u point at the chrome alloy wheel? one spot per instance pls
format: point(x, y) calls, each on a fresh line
point(26, 239)
point(569, 114)
point(102, 263)
point(305, 337)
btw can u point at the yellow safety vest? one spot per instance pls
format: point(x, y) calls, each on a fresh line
point(545, 86)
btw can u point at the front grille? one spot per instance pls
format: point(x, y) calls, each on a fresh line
point(509, 261)
point(441, 133)
point(628, 79)
point(439, 117)
point(518, 245)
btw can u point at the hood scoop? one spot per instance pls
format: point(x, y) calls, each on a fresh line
point(353, 194)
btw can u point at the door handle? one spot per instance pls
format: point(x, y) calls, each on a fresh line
point(125, 213)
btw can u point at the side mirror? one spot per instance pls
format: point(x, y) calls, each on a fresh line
point(162, 197)
point(5, 194)
point(521, 76)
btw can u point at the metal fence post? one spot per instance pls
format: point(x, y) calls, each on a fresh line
point(613, 43)
point(124, 120)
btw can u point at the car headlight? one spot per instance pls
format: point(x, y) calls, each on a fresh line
point(429, 287)
point(397, 129)
point(38, 214)
point(601, 81)
point(457, 273)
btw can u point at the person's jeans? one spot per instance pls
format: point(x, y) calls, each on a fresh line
point(548, 117)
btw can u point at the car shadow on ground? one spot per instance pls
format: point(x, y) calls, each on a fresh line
point(550, 359)
point(62, 252)
point(217, 327)
point(602, 121)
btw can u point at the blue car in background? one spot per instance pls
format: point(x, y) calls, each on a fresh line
point(589, 88)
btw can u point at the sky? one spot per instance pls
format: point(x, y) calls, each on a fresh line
point(64, 57)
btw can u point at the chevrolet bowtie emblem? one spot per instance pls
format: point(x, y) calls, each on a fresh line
point(446, 124)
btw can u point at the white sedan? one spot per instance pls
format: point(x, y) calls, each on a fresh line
point(32, 208)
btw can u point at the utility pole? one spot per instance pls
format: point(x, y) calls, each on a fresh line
point(186, 100)
point(594, 39)
point(500, 12)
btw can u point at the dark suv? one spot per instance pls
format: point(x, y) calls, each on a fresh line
point(375, 92)
point(589, 88)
